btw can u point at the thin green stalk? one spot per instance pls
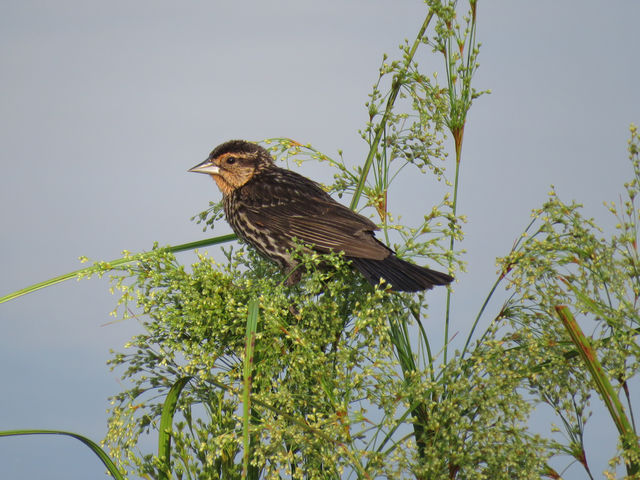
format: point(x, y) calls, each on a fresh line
point(482, 309)
point(395, 89)
point(493, 289)
point(425, 342)
point(460, 102)
point(114, 263)
point(447, 318)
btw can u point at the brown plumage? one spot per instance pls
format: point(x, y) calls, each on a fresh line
point(268, 206)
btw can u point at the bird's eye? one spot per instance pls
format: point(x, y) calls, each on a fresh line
point(230, 160)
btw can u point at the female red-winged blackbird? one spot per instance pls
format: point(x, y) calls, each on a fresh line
point(268, 207)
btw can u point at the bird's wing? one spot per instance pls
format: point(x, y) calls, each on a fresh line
point(300, 208)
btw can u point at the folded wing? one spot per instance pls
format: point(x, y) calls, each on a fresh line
point(300, 208)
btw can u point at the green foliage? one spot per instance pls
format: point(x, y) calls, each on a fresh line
point(563, 259)
point(241, 376)
point(328, 397)
point(337, 388)
point(338, 385)
point(196, 327)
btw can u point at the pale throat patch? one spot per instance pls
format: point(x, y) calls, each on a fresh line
point(224, 186)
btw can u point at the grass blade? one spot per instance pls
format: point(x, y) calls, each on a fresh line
point(114, 263)
point(166, 422)
point(603, 386)
point(252, 325)
point(89, 443)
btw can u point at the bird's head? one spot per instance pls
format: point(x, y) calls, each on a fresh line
point(233, 163)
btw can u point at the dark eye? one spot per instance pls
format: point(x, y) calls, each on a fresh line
point(230, 160)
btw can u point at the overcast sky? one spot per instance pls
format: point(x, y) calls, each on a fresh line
point(105, 105)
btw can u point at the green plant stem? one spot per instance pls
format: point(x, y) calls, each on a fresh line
point(520, 240)
point(477, 320)
point(114, 263)
point(604, 388)
point(454, 207)
point(459, 106)
point(395, 89)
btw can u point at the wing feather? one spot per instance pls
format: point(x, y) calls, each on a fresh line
point(299, 208)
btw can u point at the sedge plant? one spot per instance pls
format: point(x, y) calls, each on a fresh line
point(238, 375)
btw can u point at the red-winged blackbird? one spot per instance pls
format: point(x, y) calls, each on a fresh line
point(268, 207)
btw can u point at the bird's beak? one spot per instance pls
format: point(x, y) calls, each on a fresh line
point(207, 167)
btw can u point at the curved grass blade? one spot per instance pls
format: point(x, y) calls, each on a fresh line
point(166, 421)
point(113, 470)
point(603, 386)
point(114, 263)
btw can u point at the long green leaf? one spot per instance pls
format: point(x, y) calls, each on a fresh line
point(252, 326)
point(166, 423)
point(603, 386)
point(89, 443)
point(114, 263)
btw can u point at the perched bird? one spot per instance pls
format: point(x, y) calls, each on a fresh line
point(268, 207)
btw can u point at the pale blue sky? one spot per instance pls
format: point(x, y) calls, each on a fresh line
point(105, 105)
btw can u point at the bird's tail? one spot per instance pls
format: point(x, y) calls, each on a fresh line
point(401, 275)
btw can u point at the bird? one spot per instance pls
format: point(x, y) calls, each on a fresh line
point(270, 207)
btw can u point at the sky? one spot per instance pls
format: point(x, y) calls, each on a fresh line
point(105, 105)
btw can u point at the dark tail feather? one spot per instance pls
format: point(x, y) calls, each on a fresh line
point(402, 276)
